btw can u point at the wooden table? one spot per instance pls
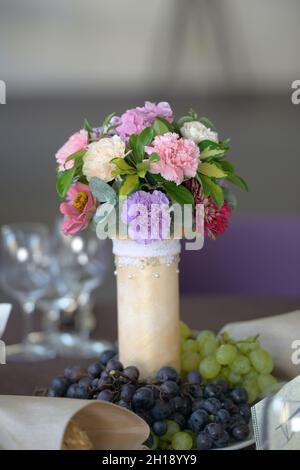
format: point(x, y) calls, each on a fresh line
point(198, 312)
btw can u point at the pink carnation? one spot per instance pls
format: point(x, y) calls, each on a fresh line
point(178, 157)
point(78, 210)
point(134, 120)
point(76, 142)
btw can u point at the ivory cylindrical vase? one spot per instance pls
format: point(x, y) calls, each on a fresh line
point(148, 304)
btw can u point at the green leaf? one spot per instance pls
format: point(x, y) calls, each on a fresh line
point(230, 198)
point(178, 194)
point(161, 126)
point(154, 157)
point(215, 191)
point(225, 165)
point(211, 153)
point(237, 181)
point(143, 139)
point(204, 120)
point(106, 123)
point(102, 191)
point(64, 181)
point(76, 156)
point(123, 165)
point(87, 126)
point(130, 184)
point(210, 169)
point(142, 169)
point(181, 121)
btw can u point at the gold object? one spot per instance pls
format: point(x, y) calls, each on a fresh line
point(76, 438)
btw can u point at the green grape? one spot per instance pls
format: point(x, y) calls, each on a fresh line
point(182, 441)
point(245, 347)
point(261, 361)
point(155, 441)
point(226, 354)
point(252, 375)
point(190, 345)
point(252, 390)
point(185, 331)
point(192, 434)
point(172, 428)
point(267, 384)
point(194, 334)
point(207, 343)
point(189, 361)
point(209, 368)
point(241, 365)
point(225, 371)
point(234, 378)
point(163, 445)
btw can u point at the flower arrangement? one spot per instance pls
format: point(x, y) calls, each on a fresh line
point(148, 157)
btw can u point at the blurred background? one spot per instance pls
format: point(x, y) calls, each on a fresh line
point(231, 60)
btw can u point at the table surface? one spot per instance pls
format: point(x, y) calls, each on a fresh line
point(199, 312)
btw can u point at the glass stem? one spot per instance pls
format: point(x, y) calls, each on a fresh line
point(28, 309)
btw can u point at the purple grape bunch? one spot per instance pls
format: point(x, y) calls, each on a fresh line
point(182, 415)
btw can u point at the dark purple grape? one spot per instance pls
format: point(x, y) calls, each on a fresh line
point(222, 440)
point(75, 373)
point(179, 419)
point(149, 441)
point(159, 428)
point(114, 365)
point(104, 383)
point(194, 378)
point(198, 421)
point(223, 416)
point(204, 441)
point(196, 391)
point(132, 373)
point(161, 410)
point(215, 430)
point(94, 383)
point(181, 405)
point(198, 404)
point(169, 389)
point(85, 382)
point(143, 399)
point(52, 393)
point(222, 384)
point(123, 404)
point(127, 392)
point(212, 405)
point(239, 395)
point(245, 412)
point(228, 405)
point(146, 416)
point(240, 432)
point(95, 370)
point(60, 385)
point(76, 391)
point(235, 420)
point(211, 391)
point(167, 373)
point(106, 395)
point(106, 356)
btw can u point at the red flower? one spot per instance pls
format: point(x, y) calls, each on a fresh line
point(215, 218)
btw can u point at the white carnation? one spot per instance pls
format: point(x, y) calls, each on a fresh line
point(196, 131)
point(96, 161)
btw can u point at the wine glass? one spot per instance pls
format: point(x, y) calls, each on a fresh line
point(82, 261)
point(25, 275)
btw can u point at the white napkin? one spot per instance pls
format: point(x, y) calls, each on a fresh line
point(4, 314)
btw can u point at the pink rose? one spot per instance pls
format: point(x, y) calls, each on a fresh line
point(179, 157)
point(76, 142)
point(78, 210)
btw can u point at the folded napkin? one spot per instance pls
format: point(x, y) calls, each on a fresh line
point(278, 335)
point(4, 314)
point(40, 423)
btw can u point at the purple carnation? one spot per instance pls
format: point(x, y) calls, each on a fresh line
point(147, 215)
point(134, 120)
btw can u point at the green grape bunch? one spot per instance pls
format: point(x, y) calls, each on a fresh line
point(241, 362)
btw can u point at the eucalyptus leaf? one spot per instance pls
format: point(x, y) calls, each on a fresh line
point(102, 191)
point(212, 170)
point(204, 120)
point(179, 193)
point(130, 184)
point(181, 121)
